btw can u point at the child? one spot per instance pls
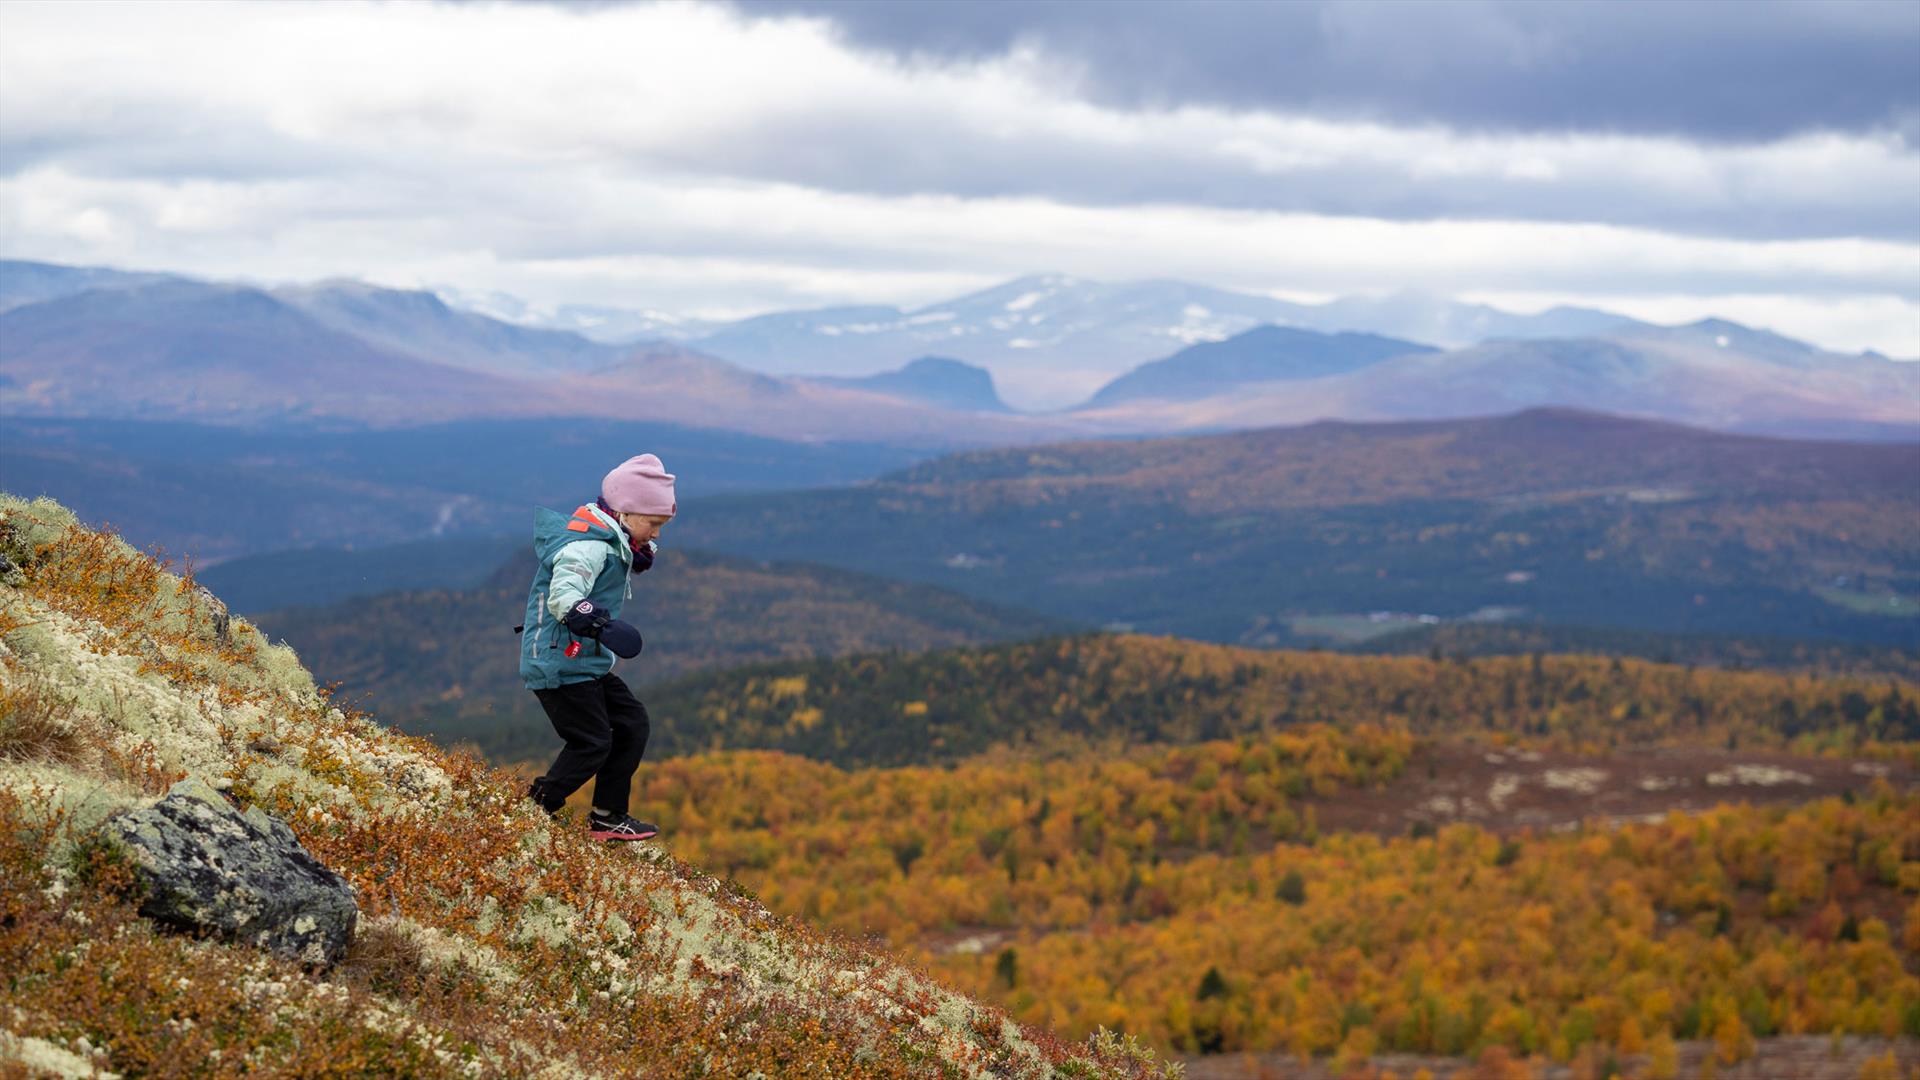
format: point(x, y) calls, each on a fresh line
point(573, 630)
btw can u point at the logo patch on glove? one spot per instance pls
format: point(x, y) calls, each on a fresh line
point(584, 607)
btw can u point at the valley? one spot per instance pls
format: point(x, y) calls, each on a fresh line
point(1081, 539)
point(1454, 732)
point(1544, 515)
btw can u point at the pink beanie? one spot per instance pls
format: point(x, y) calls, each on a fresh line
point(640, 485)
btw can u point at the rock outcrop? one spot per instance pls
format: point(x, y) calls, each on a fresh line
point(207, 866)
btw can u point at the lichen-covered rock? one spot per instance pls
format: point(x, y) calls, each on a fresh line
point(217, 610)
point(207, 866)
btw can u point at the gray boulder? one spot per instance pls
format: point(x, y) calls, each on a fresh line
point(206, 866)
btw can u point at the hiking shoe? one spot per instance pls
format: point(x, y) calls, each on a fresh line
point(621, 827)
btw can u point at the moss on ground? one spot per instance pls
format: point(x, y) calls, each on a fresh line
point(494, 942)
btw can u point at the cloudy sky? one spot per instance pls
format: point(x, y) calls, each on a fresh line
point(1758, 160)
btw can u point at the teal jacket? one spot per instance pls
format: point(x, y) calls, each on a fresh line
point(584, 557)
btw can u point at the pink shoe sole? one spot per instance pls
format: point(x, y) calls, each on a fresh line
point(597, 834)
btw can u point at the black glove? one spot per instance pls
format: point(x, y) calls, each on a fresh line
point(589, 620)
point(622, 638)
point(643, 557)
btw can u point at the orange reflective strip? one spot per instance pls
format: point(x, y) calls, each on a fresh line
point(578, 526)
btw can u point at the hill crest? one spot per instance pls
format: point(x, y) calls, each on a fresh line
point(524, 949)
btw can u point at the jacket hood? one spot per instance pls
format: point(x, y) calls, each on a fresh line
point(553, 531)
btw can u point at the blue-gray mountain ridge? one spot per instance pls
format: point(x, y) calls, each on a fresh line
point(90, 343)
point(931, 380)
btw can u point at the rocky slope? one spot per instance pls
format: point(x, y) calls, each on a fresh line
point(490, 941)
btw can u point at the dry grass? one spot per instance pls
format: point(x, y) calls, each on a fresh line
point(36, 720)
point(495, 943)
point(82, 964)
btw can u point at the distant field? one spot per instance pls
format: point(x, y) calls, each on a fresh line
point(1347, 629)
point(1871, 603)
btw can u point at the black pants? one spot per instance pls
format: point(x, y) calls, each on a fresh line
point(605, 728)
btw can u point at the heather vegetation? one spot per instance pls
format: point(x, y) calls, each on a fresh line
point(523, 949)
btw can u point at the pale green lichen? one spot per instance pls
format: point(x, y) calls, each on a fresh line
point(38, 1057)
point(617, 928)
point(442, 950)
point(487, 919)
point(31, 642)
point(255, 722)
point(31, 525)
point(81, 801)
point(549, 921)
point(106, 694)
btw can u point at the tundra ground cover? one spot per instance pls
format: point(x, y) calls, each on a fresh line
point(494, 942)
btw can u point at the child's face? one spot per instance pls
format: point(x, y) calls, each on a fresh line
point(644, 527)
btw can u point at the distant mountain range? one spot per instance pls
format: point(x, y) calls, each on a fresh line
point(23, 283)
point(1712, 374)
point(1051, 340)
point(177, 349)
point(931, 380)
point(100, 344)
point(1260, 355)
point(607, 325)
point(1142, 358)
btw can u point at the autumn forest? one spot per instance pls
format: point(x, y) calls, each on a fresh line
point(1157, 836)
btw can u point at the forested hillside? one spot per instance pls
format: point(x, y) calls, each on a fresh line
point(1191, 894)
point(445, 662)
point(1897, 661)
point(1548, 516)
point(1094, 690)
point(175, 484)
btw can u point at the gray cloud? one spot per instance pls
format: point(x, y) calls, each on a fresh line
point(892, 154)
point(979, 130)
point(1704, 69)
point(685, 157)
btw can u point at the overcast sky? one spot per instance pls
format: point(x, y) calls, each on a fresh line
point(1759, 161)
